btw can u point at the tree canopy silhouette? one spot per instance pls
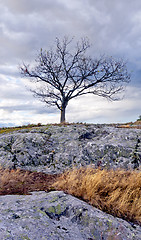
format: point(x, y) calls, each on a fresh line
point(67, 71)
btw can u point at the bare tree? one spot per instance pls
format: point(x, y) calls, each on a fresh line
point(66, 72)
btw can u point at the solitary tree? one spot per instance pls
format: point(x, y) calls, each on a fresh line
point(66, 72)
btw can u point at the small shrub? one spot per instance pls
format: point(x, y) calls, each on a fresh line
point(139, 119)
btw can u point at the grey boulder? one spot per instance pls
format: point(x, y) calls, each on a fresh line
point(55, 216)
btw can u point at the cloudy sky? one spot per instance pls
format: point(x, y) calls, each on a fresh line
point(113, 27)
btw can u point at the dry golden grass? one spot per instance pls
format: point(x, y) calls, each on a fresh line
point(128, 126)
point(136, 124)
point(115, 192)
point(13, 129)
point(22, 182)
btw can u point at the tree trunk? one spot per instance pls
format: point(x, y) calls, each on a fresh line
point(62, 120)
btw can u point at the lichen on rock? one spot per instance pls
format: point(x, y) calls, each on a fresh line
point(53, 149)
point(56, 215)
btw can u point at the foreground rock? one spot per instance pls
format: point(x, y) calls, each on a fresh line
point(56, 216)
point(52, 149)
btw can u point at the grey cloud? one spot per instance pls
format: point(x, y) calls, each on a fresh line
point(35, 109)
point(14, 92)
point(113, 27)
point(8, 70)
point(101, 20)
point(32, 6)
point(22, 33)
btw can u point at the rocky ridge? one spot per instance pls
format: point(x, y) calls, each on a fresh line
point(52, 149)
point(56, 215)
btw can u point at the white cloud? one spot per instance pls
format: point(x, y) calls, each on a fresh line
point(98, 110)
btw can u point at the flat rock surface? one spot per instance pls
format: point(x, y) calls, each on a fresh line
point(55, 216)
point(52, 149)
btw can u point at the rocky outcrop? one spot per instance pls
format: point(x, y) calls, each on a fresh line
point(56, 216)
point(52, 149)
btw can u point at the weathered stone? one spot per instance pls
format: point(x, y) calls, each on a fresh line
point(55, 148)
point(56, 216)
